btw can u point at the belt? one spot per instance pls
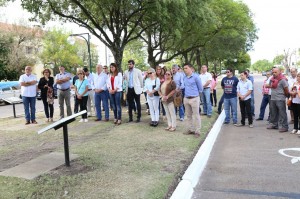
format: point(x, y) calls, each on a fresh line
point(266, 94)
point(64, 89)
point(90, 89)
point(130, 88)
point(207, 88)
point(191, 97)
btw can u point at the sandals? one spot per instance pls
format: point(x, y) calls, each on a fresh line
point(119, 122)
point(168, 128)
point(172, 129)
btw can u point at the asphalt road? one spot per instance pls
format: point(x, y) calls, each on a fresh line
point(246, 163)
point(7, 110)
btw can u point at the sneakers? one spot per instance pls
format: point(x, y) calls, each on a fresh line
point(250, 125)
point(239, 125)
point(181, 119)
point(298, 132)
point(81, 120)
point(294, 131)
point(85, 120)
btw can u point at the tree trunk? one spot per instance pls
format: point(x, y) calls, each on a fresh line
point(118, 56)
point(198, 58)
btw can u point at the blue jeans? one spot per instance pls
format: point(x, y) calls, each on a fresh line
point(230, 103)
point(115, 102)
point(29, 103)
point(252, 104)
point(264, 103)
point(207, 109)
point(101, 97)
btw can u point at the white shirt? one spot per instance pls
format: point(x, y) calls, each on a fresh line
point(243, 87)
point(28, 91)
point(90, 78)
point(100, 81)
point(291, 82)
point(268, 83)
point(205, 77)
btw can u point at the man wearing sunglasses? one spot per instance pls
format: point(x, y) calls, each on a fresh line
point(229, 85)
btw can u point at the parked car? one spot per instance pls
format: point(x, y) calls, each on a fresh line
point(264, 73)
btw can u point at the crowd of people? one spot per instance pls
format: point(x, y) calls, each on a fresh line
point(276, 89)
point(101, 91)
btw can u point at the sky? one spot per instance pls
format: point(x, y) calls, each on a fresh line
point(277, 22)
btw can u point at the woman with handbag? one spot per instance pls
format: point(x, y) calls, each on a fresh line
point(46, 87)
point(167, 91)
point(81, 91)
point(114, 86)
point(151, 87)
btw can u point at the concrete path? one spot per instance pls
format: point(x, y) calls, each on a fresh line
point(38, 166)
point(245, 163)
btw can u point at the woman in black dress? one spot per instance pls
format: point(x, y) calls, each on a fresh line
point(46, 87)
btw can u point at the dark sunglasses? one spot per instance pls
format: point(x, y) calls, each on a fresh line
point(104, 68)
point(149, 73)
point(168, 74)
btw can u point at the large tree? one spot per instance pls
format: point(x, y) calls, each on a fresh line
point(262, 65)
point(22, 49)
point(114, 22)
point(58, 51)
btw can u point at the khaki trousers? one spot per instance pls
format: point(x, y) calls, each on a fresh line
point(192, 113)
point(170, 113)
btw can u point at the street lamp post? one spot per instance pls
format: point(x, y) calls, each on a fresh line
point(71, 40)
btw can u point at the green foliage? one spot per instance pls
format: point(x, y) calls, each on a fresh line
point(135, 50)
point(5, 43)
point(262, 65)
point(278, 60)
point(57, 50)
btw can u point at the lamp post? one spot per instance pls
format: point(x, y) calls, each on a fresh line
point(71, 40)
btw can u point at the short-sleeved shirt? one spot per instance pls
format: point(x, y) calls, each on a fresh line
point(278, 93)
point(65, 85)
point(204, 78)
point(28, 91)
point(243, 87)
point(229, 85)
point(81, 86)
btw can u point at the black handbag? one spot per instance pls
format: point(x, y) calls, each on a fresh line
point(156, 92)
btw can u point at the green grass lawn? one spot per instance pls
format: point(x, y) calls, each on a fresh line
point(127, 161)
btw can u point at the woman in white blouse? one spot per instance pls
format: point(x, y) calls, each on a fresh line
point(114, 86)
point(151, 87)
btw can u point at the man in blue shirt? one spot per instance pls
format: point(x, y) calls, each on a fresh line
point(193, 87)
point(229, 85)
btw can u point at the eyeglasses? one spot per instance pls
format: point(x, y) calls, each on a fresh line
point(79, 74)
point(104, 68)
point(168, 74)
point(227, 71)
point(149, 73)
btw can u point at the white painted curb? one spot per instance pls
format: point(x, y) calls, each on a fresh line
point(185, 188)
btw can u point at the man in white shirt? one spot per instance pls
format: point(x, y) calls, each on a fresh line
point(91, 96)
point(28, 90)
point(206, 80)
point(244, 90)
point(134, 89)
point(101, 93)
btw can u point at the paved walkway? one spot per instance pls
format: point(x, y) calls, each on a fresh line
point(245, 163)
